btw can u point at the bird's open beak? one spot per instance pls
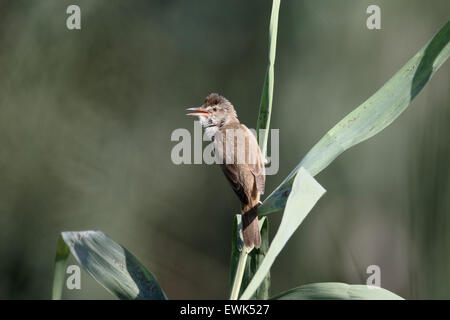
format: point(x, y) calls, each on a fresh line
point(198, 112)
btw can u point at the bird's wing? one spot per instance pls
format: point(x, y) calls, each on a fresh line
point(241, 175)
point(229, 165)
point(255, 162)
point(232, 174)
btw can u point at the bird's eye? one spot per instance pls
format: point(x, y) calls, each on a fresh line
point(214, 109)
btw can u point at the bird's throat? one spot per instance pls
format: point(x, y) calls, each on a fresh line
point(210, 132)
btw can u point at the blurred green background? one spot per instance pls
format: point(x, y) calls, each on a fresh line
point(86, 118)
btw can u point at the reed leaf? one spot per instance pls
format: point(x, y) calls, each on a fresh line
point(113, 266)
point(375, 114)
point(337, 291)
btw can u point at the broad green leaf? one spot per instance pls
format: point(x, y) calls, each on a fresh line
point(337, 291)
point(112, 266)
point(306, 191)
point(376, 113)
point(62, 253)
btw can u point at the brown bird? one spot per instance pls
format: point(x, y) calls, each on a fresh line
point(239, 156)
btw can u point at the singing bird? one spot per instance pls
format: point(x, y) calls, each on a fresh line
point(239, 156)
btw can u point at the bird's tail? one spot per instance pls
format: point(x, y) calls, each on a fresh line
point(250, 229)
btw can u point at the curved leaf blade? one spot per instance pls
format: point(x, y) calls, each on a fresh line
point(113, 266)
point(375, 114)
point(337, 291)
point(306, 191)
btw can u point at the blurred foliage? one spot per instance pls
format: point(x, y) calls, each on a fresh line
point(86, 118)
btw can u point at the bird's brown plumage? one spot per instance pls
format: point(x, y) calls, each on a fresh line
point(247, 177)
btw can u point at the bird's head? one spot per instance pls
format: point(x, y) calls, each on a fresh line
point(215, 112)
